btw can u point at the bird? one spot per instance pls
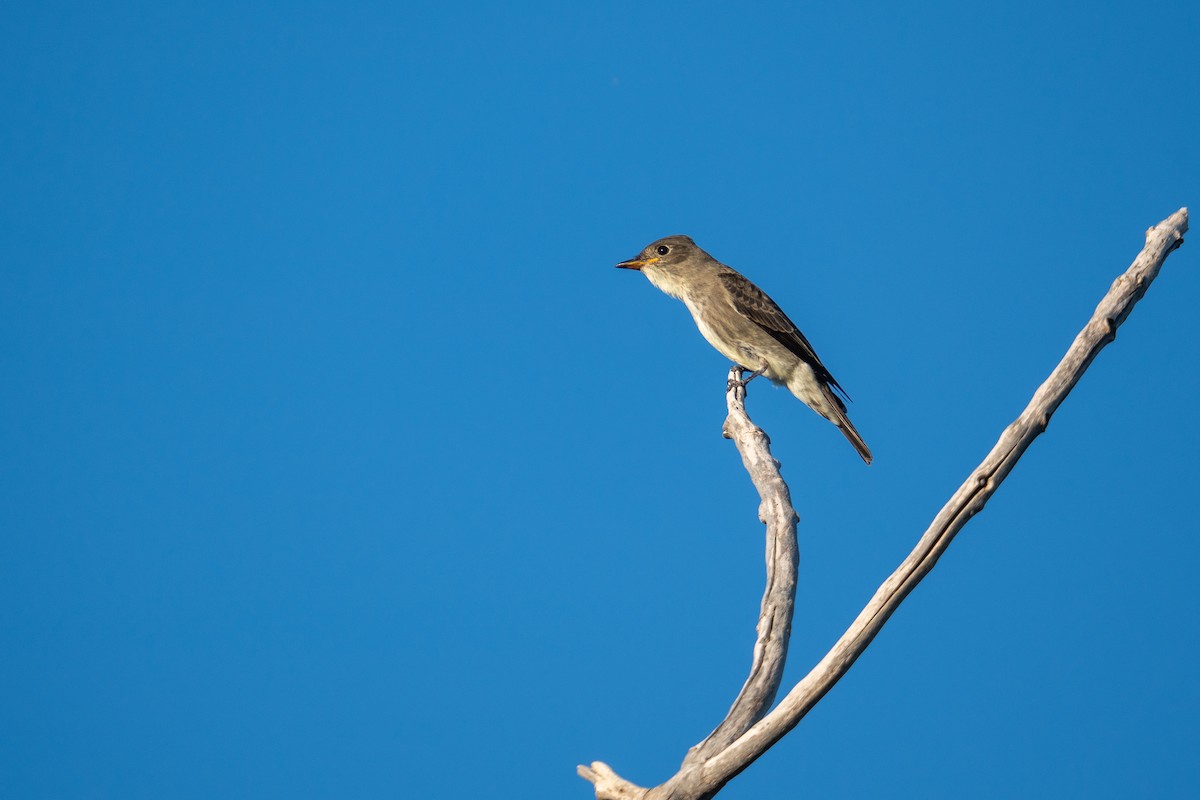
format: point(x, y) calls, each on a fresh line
point(745, 326)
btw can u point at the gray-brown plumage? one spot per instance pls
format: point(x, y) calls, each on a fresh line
point(745, 325)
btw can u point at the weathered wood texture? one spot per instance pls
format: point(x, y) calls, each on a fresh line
point(775, 619)
point(748, 730)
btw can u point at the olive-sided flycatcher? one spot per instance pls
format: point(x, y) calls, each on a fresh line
point(745, 326)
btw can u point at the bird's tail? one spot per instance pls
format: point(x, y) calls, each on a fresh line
point(839, 417)
point(850, 433)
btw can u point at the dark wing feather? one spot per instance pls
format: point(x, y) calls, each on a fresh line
point(753, 303)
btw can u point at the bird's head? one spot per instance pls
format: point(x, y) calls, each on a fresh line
point(665, 255)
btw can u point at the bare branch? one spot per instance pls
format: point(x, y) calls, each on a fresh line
point(775, 618)
point(703, 780)
point(609, 785)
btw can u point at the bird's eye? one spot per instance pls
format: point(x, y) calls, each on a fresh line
point(663, 250)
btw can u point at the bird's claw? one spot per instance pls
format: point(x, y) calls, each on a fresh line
point(743, 381)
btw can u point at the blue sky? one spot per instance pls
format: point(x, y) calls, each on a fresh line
point(337, 461)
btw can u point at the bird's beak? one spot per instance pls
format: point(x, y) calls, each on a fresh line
point(635, 263)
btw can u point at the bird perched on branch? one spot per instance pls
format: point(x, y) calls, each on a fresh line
point(745, 326)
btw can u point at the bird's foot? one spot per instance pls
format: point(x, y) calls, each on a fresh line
point(755, 374)
point(743, 381)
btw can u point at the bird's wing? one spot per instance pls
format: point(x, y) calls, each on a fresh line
point(754, 304)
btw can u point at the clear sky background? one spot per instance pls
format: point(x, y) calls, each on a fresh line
point(337, 461)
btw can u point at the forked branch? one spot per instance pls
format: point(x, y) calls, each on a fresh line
point(746, 733)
